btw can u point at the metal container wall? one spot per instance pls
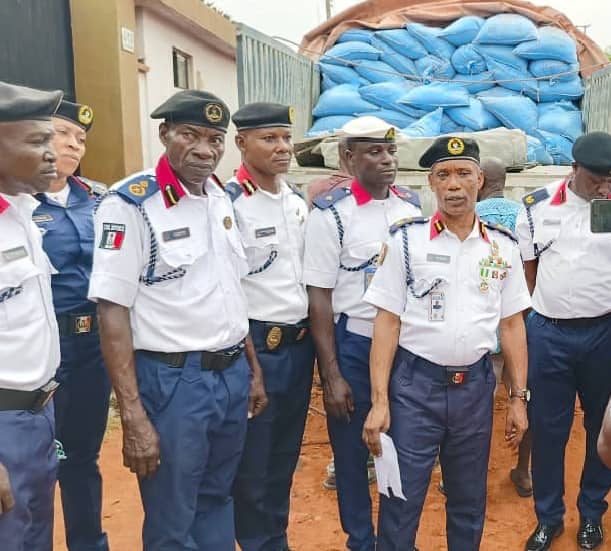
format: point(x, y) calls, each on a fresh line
point(596, 104)
point(270, 71)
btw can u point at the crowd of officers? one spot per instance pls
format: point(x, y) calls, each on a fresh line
point(204, 304)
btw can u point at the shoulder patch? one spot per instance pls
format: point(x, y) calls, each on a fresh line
point(139, 188)
point(500, 228)
point(325, 200)
point(394, 228)
point(535, 197)
point(233, 189)
point(408, 195)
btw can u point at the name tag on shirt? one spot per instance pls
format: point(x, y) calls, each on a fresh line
point(174, 235)
point(265, 232)
point(14, 254)
point(42, 218)
point(551, 222)
point(440, 258)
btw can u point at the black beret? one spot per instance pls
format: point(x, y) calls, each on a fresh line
point(81, 115)
point(18, 103)
point(450, 148)
point(593, 152)
point(263, 115)
point(194, 107)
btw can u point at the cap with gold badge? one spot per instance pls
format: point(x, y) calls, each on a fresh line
point(450, 148)
point(263, 115)
point(19, 103)
point(593, 152)
point(194, 107)
point(368, 129)
point(81, 115)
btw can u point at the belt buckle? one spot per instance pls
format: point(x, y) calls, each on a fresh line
point(82, 324)
point(455, 377)
point(273, 338)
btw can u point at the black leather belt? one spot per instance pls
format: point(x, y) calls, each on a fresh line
point(77, 324)
point(578, 322)
point(27, 400)
point(278, 334)
point(209, 361)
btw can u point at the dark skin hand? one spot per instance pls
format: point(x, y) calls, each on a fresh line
point(337, 394)
point(257, 399)
point(140, 439)
point(7, 502)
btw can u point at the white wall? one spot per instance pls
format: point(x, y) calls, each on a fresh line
point(211, 71)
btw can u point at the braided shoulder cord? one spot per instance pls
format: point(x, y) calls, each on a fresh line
point(409, 276)
point(531, 226)
point(270, 260)
point(338, 223)
point(10, 292)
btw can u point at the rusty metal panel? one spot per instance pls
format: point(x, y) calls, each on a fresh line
point(596, 105)
point(270, 71)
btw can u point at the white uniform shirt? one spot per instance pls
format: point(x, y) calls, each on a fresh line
point(471, 309)
point(574, 272)
point(29, 338)
point(272, 227)
point(203, 310)
point(365, 222)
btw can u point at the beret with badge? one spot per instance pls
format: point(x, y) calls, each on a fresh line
point(19, 103)
point(368, 129)
point(450, 148)
point(593, 152)
point(194, 107)
point(263, 115)
point(81, 115)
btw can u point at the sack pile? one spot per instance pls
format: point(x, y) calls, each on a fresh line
point(475, 74)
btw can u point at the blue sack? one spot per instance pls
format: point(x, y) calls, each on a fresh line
point(503, 54)
point(513, 111)
point(558, 70)
point(349, 51)
point(341, 100)
point(327, 125)
point(426, 127)
point(512, 79)
point(436, 94)
point(429, 37)
point(404, 43)
point(497, 92)
point(468, 61)
point(552, 43)
point(402, 64)
point(397, 119)
point(341, 75)
point(387, 95)
point(561, 118)
point(327, 83)
point(378, 71)
point(556, 90)
point(506, 28)
point(474, 116)
point(476, 83)
point(361, 35)
point(537, 152)
point(558, 147)
point(432, 67)
point(448, 126)
point(463, 30)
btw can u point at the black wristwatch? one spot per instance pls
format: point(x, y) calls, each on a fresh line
point(523, 394)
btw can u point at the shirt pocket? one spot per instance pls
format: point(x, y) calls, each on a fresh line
point(260, 246)
point(427, 277)
point(547, 230)
point(356, 254)
point(181, 253)
point(18, 306)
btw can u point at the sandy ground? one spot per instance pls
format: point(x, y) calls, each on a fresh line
point(314, 524)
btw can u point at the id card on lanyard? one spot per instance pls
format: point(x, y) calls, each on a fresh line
point(368, 274)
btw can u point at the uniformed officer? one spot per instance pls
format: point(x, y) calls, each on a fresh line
point(81, 402)
point(569, 336)
point(343, 237)
point(166, 274)
point(441, 288)
point(271, 217)
point(29, 341)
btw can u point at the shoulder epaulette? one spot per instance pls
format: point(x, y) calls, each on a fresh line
point(137, 189)
point(325, 200)
point(407, 222)
point(500, 228)
point(296, 190)
point(535, 197)
point(233, 189)
point(408, 196)
point(95, 188)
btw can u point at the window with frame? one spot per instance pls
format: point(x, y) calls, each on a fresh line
point(181, 63)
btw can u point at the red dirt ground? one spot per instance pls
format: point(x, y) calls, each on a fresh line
point(314, 524)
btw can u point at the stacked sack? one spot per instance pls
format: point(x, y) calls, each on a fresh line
point(475, 74)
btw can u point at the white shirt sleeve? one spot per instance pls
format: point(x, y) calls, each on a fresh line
point(116, 269)
point(515, 296)
point(524, 236)
point(322, 250)
point(387, 289)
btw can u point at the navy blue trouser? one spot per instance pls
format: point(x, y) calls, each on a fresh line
point(428, 417)
point(349, 451)
point(262, 487)
point(200, 417)
point(27, 450)
point(564, 361)
point(81, 413)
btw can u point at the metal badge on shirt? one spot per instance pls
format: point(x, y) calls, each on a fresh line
point(9, 255)
point(112, 236)
point(175, 235)
point(492, 267)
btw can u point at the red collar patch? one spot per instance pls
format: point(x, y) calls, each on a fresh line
point(560, 196)
point(245, 179)
point(171, 189)
point(437, 225)
point(361, 195)
point(4, 204)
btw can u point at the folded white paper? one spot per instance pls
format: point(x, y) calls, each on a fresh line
point(387, 469)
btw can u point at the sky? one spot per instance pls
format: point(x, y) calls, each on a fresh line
point(291, 19)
